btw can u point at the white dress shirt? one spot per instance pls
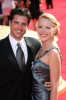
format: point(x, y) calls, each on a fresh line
point(23, 46)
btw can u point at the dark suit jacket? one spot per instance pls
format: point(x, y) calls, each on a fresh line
point(14, 84)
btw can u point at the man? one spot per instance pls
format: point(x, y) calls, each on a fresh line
point(15, 84)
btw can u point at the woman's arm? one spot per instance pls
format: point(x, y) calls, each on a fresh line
point(55, 70)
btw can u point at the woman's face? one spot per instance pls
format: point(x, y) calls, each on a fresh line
point(45, 29)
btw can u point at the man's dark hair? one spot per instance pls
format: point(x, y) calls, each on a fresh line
point(21, 12)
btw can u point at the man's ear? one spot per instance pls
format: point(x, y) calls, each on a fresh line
point(9, 22)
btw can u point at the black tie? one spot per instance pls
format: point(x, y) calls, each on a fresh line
point(20, 56)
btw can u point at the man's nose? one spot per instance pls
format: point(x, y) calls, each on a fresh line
point(19, 26)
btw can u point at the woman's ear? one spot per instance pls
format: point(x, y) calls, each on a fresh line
point(55, 30)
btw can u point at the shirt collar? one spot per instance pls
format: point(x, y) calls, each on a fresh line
point(14, 42)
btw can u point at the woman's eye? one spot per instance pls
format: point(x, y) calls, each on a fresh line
point(48, 27)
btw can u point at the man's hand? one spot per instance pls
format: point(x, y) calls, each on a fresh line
point(48, 85)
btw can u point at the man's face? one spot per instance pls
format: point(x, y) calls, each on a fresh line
point(18, 26)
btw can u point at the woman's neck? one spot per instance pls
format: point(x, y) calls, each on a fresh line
point(48, 44)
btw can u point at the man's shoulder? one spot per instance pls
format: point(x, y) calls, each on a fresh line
point(32, 40)
point(3, 41)
point(34, 43)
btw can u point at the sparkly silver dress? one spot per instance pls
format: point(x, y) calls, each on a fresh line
point(41, 74)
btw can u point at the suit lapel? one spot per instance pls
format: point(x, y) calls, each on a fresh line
point(9, 52)
point(30, 52)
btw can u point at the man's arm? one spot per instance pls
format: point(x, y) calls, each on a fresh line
point(48, 85)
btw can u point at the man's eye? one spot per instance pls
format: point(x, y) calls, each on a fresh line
point(39, 26)
point(24, 24)
point(15, 22)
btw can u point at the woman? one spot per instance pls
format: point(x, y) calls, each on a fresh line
point(7, 5)
point(35, 11)
point(47, 64)
point(49, 4)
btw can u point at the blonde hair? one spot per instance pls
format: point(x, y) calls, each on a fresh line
point(56, 24)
